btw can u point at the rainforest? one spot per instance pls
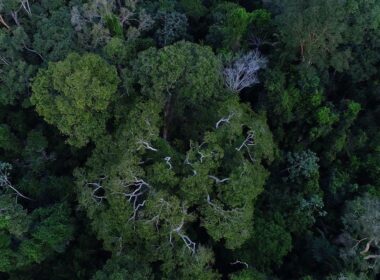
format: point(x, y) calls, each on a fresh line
point(190, 139)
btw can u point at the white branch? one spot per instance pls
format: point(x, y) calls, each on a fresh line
point(224, 120)
point(97, 187)
point(167, 160)
point(188, 242)
point(136, 189)
point(6, 183)
point(146, 145)
point(26, 6)
point(217, 180)
point(240, 262)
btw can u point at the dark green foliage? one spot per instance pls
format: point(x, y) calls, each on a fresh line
point(172, 27)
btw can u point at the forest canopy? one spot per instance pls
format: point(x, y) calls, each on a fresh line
point(189, 139)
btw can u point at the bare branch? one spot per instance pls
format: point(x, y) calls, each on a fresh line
point(189, 244)
point(97, 187)
point(26, 6)
point(145, 145)
point(2, 21)
point(4, 182)
point(367, 247)
point(167, 160)
point(217, 180)
point(4, 60)
point(240, 262)
point(33, 51)
point(15, 18)
point(136, 190)
point(372, 257)
point(249, 141)
point(224, 120)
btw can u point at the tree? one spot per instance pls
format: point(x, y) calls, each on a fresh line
point(230, 26)
point(154, 189)
point(172, 27)
point(54, 38)
point(243, 72)
point(196, 76)
point(76, 95)
point(15, 72)
point(312, 32)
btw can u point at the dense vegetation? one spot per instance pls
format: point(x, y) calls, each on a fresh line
point(189, 139)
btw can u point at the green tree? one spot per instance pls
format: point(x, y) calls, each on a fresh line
point(150, 186)
point(76, 95)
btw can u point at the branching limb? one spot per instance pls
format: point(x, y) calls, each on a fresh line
point(249, 141)
point(95, 192)
point(26, 6)
point(136, 190)
point(4, 182)
point(189, 244)
point(217, 180)
point(145, 145)
point(33, 51)
point(224, 120)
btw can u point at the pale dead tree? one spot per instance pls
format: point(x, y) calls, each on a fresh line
point(243, 72)
point(217, 180)
point(4, 181)
point(145, 145)
point(168, 162)
point(188, 243)
point(224, 120)
point(240, 262)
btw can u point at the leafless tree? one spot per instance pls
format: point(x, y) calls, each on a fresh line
point(242, 73)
